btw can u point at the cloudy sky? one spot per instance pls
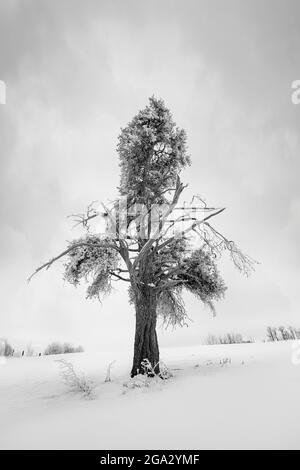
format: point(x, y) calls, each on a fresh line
point(76, 72)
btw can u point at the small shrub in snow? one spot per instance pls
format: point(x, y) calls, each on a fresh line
point(75, 382)
point(149, 377)
point(209, 363)
point(225, 361)
point(164, 372)
point(148, 369)
point(139, 381)
point(108, 372)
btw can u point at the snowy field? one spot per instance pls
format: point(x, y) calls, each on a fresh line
point(220, 397)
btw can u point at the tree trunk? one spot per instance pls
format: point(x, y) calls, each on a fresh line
point(145, 343)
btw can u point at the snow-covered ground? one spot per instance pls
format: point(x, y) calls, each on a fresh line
point(210, 403)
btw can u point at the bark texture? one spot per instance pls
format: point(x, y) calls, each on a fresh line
point(145, 343)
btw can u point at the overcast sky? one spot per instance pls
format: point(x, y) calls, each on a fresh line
point(76, 72)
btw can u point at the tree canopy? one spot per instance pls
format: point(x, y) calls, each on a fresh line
point(152, 152)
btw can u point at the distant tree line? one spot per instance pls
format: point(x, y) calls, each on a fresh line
point(62, 348)
point(7, 350)
point(229, 338)
point(282, 333)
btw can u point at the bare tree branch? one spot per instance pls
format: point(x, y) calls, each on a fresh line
point(179, 188)
point(118, 276)
point(242, 262)
point(192, 227)
point(83, 219)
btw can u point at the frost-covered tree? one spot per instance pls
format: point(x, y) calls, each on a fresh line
point(159, 248)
